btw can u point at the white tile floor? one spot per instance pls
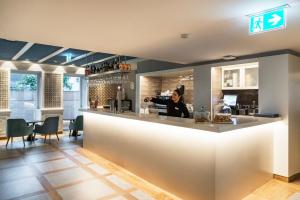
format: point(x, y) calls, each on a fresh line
point(6, 163)
point(71, 152)
point(140, 195)
point(89, 190)
point(119, 182)
point(295, 196)
point(118, 198)
point(15, 173)
point(44, 156)
point(44, 196)
point(67, 176)
point(55, 165)
point(20, 187)
point(99, 170)
point(83, 160)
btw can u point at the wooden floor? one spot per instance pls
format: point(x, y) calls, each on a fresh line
point(64, 170)
point(275, 190)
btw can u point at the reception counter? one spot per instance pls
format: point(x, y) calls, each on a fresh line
point(192, 161)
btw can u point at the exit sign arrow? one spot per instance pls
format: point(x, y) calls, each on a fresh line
point(267, 21)
point(275, 19)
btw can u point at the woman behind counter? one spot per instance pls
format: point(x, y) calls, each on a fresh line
point(175, 105)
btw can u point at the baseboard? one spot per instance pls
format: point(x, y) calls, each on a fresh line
point(286, 179)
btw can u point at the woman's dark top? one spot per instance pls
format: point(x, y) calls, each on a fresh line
point(173, 109)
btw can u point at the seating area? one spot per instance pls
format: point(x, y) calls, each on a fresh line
point(21, 128)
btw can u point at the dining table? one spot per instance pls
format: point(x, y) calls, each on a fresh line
point(31, 137)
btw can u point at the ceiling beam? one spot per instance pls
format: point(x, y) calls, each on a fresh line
point(23, 50)
point(99, 61)
point(78, 58)
point(52, 55)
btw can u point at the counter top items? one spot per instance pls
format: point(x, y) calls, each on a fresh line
point(222, 118)
point(269, 115)
point(202, 115)
point(222, 112)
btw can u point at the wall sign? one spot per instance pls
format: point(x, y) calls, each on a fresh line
point(267, 21)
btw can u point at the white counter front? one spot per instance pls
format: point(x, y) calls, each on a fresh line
point(184, 158)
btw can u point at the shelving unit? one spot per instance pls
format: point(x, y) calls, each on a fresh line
point(95, 76)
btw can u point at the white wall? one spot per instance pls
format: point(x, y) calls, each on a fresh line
point(294, 115)
point(273, 98)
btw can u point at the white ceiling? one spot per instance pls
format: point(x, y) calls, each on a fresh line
point(149, 29)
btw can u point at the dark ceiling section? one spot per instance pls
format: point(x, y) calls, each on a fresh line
point(38, 51)
point(62, 57)
point(127, 58)
point(91, 58)
point(8, 49)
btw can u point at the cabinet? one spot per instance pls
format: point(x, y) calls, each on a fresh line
point(240, 77)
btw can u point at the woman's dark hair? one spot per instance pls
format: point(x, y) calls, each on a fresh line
point(179, 94)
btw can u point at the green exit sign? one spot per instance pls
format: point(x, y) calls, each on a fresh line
point(267, 21)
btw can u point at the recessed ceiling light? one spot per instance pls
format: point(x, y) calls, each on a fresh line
point(26, 61)
point(229, 57)
point(184, 35)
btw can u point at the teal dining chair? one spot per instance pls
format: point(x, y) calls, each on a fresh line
point(50, 126)
point(17, 128)
point(76, 125)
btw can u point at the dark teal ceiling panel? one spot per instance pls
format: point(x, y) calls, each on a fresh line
point(62, 57)
point(8, 49)
point(38, 51)
point(91, 58)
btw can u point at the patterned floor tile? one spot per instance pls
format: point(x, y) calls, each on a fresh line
point(119, 182)
point(55, 165)
point(18, 188)
point(98, 169)
point(15, 173)
point(5, 163)
point(44, 156)
point(67, 176)
point(82, 159)
point(89, 190)
point(140, 195)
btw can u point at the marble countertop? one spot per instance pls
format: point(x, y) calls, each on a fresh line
point(239, 122)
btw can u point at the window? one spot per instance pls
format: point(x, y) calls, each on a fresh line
point(72, 96)
point(24, 96)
